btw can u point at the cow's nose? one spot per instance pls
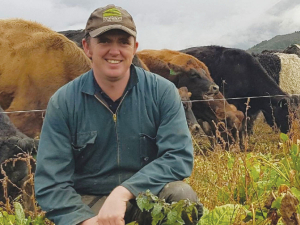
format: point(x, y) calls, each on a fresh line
point(196, 128)
point(214, 88)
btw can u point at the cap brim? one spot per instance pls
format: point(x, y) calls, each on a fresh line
point(102, 30)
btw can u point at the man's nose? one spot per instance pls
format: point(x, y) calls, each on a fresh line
point(114, 49)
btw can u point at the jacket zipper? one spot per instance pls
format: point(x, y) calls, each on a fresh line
point(115, 120)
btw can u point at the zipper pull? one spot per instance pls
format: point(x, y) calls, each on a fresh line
point(115, 117)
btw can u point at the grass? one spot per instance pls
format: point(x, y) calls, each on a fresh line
point(249, 178)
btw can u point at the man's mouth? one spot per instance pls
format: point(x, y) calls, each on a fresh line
point(113, 61)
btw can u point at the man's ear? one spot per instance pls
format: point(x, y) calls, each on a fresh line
point(136, 47)
point(86, 48)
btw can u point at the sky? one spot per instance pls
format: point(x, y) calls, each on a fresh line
point(173, 24)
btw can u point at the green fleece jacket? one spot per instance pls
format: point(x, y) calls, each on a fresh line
point(87, 149)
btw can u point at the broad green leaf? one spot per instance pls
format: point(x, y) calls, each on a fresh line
point(295, 157)
point(172, 216)
point(11, 219)
point(230, 162)
point(282, 181)
point(28, 222)
point(276, 203)
point(205, 211)
point(148, 206)
point(284, 137)
point(157, 214)
point(294, 150)
point(20, 215)
point(223, 215)
point(255, 171)
point(261, 215)
point(142, 202)
point(156, 209)
point(133, 223)
point(296, 192)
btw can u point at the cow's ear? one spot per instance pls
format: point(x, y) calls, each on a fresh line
point(189, 94)
point(173, 73)
point(174, 69)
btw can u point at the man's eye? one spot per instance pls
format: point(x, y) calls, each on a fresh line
point(103, 40)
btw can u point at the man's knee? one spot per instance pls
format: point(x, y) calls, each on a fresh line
point(176, 191)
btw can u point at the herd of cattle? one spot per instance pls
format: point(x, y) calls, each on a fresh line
point(36, 61)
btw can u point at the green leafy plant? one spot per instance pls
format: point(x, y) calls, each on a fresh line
point(225, 214)
point(18, 218)
point(182, 212)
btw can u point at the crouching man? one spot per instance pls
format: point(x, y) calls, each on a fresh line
point(112, 133)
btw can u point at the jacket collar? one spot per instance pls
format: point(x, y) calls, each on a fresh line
point(90, 88)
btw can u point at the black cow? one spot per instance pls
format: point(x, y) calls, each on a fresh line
point(239, 74)
point(74, 35)
point(13, 142)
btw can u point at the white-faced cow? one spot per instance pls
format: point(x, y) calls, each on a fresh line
point(283, 68)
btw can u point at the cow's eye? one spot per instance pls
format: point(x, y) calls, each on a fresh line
point(194, 75)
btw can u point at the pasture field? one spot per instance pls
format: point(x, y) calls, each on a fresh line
point(257, 186)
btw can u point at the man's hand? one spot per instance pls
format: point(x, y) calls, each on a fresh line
point(114, 207)
point(91, 221)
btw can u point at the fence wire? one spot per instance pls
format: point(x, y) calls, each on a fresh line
point(202, 100)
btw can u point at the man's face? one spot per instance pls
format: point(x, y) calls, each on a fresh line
point(111, 54)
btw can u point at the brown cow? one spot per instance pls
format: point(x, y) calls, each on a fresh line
point(159, 61)
point(34, 62)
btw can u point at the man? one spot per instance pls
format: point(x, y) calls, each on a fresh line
point(112, 133)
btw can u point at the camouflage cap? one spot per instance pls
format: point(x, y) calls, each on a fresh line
point(108, 18)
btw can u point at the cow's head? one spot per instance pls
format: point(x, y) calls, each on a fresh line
point(277, 114)
point(281, 108)
point(196, 81)
point(293, 49)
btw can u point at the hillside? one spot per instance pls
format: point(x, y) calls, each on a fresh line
point(279, 42)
